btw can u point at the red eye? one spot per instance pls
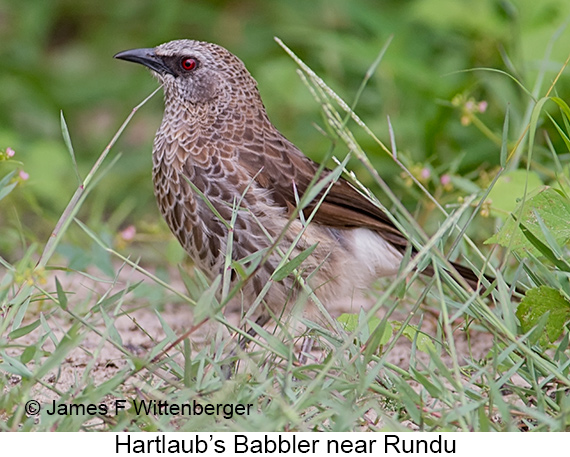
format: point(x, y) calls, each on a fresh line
point(189, 63)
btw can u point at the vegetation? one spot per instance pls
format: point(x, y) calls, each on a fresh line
point(456, 116)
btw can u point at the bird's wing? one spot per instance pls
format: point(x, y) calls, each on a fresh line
point(283, 170)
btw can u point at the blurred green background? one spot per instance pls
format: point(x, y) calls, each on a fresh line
point(57, 55)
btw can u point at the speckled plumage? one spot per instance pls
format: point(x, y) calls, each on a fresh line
point(216, 134)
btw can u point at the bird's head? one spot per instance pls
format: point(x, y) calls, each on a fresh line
point(195, 72)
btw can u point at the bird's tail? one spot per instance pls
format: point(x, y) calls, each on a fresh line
point(475, 281)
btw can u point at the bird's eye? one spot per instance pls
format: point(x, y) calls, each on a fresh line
point(189, 63)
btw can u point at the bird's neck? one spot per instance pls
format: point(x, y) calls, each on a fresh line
point(219, 118)
point(205, 129)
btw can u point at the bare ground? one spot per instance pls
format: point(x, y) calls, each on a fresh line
point(141, 329)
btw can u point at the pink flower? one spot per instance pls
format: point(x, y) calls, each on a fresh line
point(482, 106)
point(425, 173)
point(445, 180)
point(128, 233)
point(24, 176)
point(10, 152)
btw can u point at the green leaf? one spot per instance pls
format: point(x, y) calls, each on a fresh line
point(14, 366)
point(28, 354)
point(433, 390)
point(20, 314)
point(112, 331)
point(6, 186)
point(273, 342)
point(61, 297)
point(510, 188)
point(554, 210)
point(423, 342)
point(67, 141)
point(247, 265)
point(350, 323)
point(187, 363)
point(380, 335)
point(545, 249)
point(505, 140)
point(19, 332)
point(285, 270)
point(566, 112)
point(207, 305)
point(539, 301)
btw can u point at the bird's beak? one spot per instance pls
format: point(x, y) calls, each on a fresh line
point(146, 57)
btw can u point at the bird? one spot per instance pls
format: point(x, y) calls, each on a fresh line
point(218, 158)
